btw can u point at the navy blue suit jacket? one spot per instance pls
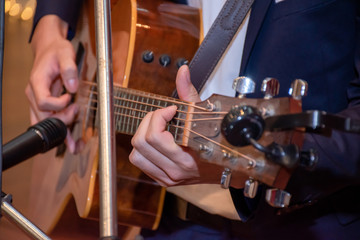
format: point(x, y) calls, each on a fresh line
point(318, 41)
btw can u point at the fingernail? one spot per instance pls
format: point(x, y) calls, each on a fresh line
point(71, 82)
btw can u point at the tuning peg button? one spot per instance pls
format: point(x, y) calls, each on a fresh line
point(164, 60)
point(225, 178)
point(277, 198)
point(298, 89)
point(251, 188)
point(181, 61)
point(270, 87)
point(148, 56)
point(243, 86)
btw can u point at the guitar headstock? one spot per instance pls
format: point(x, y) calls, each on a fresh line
point(219, 128)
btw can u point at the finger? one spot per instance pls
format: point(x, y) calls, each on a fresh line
point(185, 88)
point(70, 142)
point(140, 143)
point(173, 159)
point(35, 114)
point(68, 114)
point(157, 135)
point(41, 85)
point(68, 69)
point(150, 169)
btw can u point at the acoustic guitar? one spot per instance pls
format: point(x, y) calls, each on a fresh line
point(148, 46)
point(151, 39)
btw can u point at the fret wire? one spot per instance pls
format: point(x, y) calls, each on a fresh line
point(185, 113)
point(127, 109)
point(116, 102)
point(138, 111)
point(156, 107)
point(168, 125)
point(121, 110)
point(129, 127)
point(129, 119)
point(146, 106)
point(141, 112)
point(152, 104)
point(126, 112)
point(133, 127)
point(177, 123)
point(122, 122)
point(131, 113)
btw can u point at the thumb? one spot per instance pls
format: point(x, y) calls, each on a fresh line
point(185, 88)
point(68, 69)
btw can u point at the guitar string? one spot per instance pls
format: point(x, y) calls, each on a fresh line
point(253, 162)
point(153, 96)
point(183, 120)
point(205, 111)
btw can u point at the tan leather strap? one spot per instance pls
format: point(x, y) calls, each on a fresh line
point(216, 41)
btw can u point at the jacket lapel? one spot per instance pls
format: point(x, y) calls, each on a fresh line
point(258, 12)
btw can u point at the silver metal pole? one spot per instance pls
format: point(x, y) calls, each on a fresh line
point(107, 160)
point(24, 224)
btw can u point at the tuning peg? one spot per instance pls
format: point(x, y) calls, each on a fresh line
point(225, 178)
point(277, 198)
point(251, 188)
point(309, 159)
point(243, 86)
point(270, 87)
point(241, 124)
point(298, 89)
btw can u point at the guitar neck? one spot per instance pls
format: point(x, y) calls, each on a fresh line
point(199, 127)
point(131, 106)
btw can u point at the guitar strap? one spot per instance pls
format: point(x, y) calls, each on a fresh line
point(216, 41)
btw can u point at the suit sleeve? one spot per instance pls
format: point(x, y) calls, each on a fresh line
point(338, 156)
point(67, 10)
point(339, 153)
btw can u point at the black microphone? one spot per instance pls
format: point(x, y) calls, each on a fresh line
point(39, 138)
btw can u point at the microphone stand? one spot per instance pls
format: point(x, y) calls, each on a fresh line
point(107, 160)
point(18, 219)
point(7, 209)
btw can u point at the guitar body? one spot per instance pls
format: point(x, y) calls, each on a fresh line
point(158, 26)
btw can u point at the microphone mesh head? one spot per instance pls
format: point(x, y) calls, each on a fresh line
point(52, 130)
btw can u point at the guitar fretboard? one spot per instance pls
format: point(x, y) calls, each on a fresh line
point(131, 106)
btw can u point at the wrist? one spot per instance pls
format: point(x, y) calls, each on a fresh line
point(48, 29)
